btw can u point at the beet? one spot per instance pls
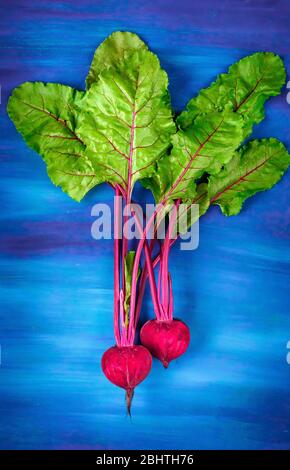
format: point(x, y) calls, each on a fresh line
point(166, 339)
point(126, 367)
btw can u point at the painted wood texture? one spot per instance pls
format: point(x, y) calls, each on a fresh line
point(231, 390)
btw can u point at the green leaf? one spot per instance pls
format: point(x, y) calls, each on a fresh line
point(202, 198)
point(244, 89)
point(185, 217)
point(46, 115)
point(126, 118)
point(118, 46)
point(160, 180)
point(256, 167)
point(204, 147)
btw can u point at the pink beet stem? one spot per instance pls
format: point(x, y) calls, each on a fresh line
point(124, 330)
point(164, 274)
point(124, 253)
point(127, 335)
point(164, 271)
point(128, 196)
point(142, 284)
point(150, 271)
point(170, 310)
point(143, 238)
point(160, 275)
point(138, 256)
point(116, 267)
point(144, 276)
point(122, 335)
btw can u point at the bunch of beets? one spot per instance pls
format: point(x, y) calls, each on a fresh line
point(121, 130)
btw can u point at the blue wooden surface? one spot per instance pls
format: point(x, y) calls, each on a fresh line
point(231, 390)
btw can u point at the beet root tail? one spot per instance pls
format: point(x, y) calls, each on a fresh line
point(165, 364)
point(129, 398)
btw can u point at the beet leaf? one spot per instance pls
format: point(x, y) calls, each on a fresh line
point(244, 89)
point(46, 115)
point(118, 46)
point(126, 119)
point(256, 167)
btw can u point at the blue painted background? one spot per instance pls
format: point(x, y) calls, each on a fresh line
point(231, 390)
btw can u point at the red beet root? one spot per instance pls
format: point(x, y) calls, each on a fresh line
point(126, 367)
point(166, 340)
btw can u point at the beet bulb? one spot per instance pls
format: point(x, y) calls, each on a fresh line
point(126, 367)
point(166, 339)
